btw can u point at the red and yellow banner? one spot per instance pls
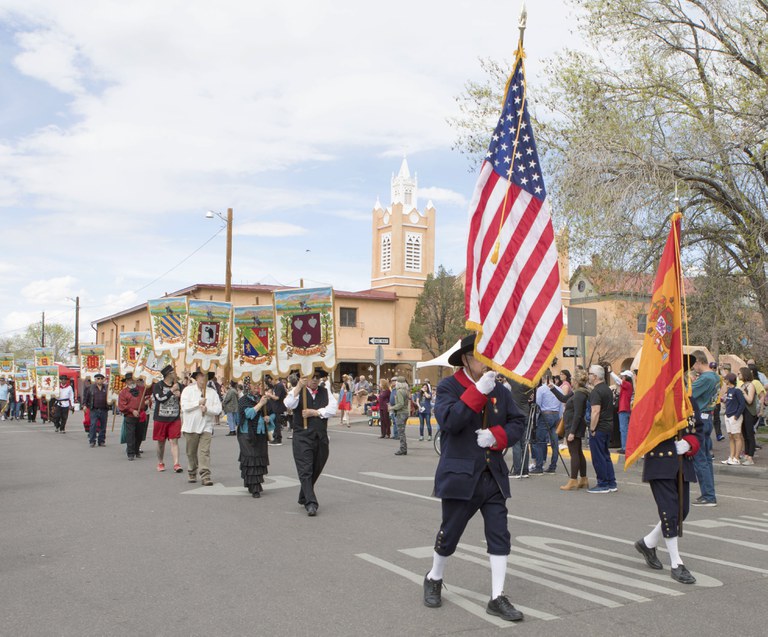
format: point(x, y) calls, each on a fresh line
point(661, 404)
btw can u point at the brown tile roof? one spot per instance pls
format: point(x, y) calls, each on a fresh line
point(619, 282)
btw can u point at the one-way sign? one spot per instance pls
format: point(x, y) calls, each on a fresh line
point(378, 340)
point(570, 352)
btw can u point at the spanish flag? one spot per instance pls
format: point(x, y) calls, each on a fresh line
point(661, 404)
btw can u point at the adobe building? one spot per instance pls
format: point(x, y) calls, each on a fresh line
point(403, 255)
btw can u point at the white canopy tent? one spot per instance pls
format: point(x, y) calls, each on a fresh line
point(442, 360)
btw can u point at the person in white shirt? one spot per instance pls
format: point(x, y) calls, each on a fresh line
point(64, 402)
point(200, 406)
point(312, 404)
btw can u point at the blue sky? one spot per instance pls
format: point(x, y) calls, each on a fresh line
point(122, 123)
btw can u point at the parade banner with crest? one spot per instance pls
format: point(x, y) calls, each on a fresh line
point(168, 323)
point(305, 332)
point(47, 381)
point(208, 333)
point(44, 357)
point(150, 364)
point(93, 360)
point(115, 384)
point(7, 366)
point(23, 385)
point(253, 341)
point(131, 344)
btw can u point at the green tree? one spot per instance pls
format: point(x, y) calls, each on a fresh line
point(674, 95)
point(57, 336)
point(438, 321)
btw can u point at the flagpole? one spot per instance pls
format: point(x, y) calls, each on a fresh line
point(679, 436)
point(522, 24)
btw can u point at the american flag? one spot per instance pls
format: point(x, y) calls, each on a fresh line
point(512, 280)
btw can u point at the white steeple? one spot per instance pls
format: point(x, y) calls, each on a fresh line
point(404, 188)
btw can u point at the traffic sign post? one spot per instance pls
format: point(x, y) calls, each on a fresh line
point(379, 360)
point(582, 322)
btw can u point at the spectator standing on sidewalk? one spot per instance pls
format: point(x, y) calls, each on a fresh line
point(734, 417)
point(400, 412)
point(750, 415)
point(546, 427)
point(601, 427)
point(230, 407)
point(705, 393)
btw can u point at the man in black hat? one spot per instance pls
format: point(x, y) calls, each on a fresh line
point(478, 420)
point(660, 469)
point(96, 401)
point(167, 417)
point(312, 404)
point(65, 401)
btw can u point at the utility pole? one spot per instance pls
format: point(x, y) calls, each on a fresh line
point(42, 339)
point(228, 272)
point(77, 324)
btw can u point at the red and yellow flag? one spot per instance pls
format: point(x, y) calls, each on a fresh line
point(661, 404)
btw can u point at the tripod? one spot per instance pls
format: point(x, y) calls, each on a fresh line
point(530, 428)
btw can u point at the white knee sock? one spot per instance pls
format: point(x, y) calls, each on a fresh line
point(654, 537)
point(438, 566)
point(498, 574)
point(674, 555)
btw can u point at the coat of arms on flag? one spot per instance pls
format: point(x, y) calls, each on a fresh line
point(168, 322)
point(254, 341)
point(513, 295)
point(115, 383)
point(47, 380)
point(43, 356)
point(149, 365)
point(92, 360)
point(131, 344)
point(23, 385)
point(7, 367)
point(305, 334)
point(208, 332)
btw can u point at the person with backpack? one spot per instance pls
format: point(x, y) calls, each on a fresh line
point(401, 409)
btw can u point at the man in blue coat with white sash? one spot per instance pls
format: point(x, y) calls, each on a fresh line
point(478, 420)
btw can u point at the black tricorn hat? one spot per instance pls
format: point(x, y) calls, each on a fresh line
point(196, 373)
point(467, 345)
point(99, 375)
point(166, 370)
point(319, 372)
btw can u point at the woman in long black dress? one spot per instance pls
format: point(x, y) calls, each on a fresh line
point(252, 436)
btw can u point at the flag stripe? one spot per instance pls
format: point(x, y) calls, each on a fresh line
point(514, 303)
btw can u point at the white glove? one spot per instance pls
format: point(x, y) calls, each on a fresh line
point(485, 438)
point(486, 383)
point(682, 446)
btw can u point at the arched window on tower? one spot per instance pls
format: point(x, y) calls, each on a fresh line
point(413, 252)
point(386, 252)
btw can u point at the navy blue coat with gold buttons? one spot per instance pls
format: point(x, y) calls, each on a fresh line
point(461, 409)
point(661, 462)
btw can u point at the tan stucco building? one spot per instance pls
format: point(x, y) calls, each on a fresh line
point(403, 255)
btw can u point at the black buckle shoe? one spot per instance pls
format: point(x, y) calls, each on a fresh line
point(649, 554)
point(682, 575)
point(433, 592)
point(502, 607)
point(311, 510)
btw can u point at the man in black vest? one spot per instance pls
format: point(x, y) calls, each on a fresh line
point(277, 407)
point(312, 404)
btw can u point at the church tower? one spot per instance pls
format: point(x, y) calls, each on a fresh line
point(403, 239)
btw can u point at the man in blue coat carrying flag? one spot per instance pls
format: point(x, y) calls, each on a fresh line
point(478, 420)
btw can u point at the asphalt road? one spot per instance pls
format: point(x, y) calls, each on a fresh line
point(91, 544)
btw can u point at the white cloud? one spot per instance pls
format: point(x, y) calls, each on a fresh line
point(268, 229)
point(50, 57)
point(49, 291)
point(17, 321)
point(443, 195)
